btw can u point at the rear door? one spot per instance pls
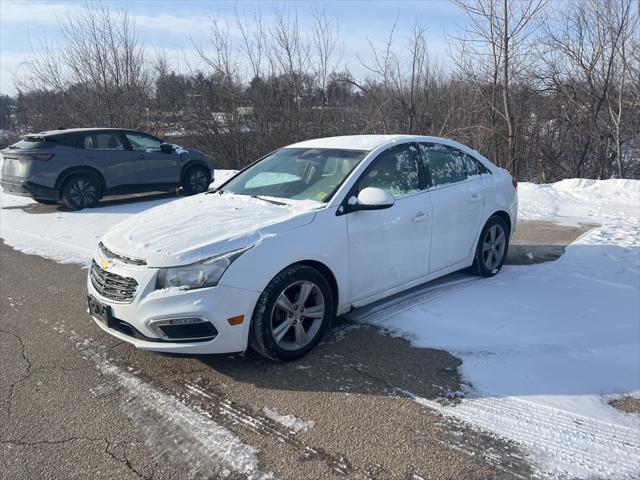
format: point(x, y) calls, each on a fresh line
point(458, 205)
point(152, 164)
point(390, 247)
point(106, 151)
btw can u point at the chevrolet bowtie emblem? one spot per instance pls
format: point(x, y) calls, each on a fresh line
point(105, 264)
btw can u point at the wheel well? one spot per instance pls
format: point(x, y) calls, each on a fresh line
point(328, 274)
point(193, 163)
point(64, 176)
point(505, 216)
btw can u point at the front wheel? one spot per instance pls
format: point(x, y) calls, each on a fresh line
point(292, 314)
point(492, 248)
point(196, 180)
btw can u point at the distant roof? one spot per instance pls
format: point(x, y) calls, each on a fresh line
point(348, 142)
point(75, 130)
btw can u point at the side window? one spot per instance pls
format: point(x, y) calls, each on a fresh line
point(446, 164)
point(395, 171)
point(474, 167)
point(102, 141)
point(139, 141)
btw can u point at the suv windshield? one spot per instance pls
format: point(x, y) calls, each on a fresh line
point(297, 173)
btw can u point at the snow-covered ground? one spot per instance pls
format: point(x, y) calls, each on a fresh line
point(544, 346)
point(69, 237)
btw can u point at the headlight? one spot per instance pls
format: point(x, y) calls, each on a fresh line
point(206, 273)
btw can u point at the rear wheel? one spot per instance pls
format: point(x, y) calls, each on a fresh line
point(292, 314)
point(492, 248)
point(81, 191)
point(196, 180)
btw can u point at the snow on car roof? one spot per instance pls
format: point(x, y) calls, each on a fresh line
point(348, 142)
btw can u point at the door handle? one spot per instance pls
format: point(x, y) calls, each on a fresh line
point(475, 198)
point(420, 217)
point(90, 157)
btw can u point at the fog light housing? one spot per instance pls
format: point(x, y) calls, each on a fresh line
point(189, 328)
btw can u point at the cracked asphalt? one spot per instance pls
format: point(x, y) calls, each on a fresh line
point(66, 415)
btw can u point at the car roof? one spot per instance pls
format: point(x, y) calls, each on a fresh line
point(79, 130)
point(369, 142)
point(348, 142)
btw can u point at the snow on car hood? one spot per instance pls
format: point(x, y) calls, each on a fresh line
point(192, 229)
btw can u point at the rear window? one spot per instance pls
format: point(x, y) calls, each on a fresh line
point(33, 142)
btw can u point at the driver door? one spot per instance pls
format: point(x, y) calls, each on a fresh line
point(390, 247)
point(153, 166)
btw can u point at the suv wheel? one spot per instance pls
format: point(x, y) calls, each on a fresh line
point(196, 180)
point(292, 314)
point(81, 191)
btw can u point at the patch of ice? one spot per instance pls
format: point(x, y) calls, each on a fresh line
point(292, 423)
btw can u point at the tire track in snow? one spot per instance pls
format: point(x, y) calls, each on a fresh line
point(379, 311)
point(169, 427)
point(263, 425)
point(564, 444)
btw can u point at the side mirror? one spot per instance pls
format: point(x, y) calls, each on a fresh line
point(166, 148)
point(371, 198)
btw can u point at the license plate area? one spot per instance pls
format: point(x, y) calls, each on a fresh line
point(99, 310)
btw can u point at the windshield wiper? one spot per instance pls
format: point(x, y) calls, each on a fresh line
point(219, 191)
point(275, 202)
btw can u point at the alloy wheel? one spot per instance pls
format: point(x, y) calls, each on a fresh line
point(493, 247)
point(198, 181)
point(83, 192)
point(297, 315)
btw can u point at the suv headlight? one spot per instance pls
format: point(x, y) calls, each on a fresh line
point(205, 273)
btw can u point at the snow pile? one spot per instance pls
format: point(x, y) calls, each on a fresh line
point(544, 345)
point(580, 200)
point(68, 237)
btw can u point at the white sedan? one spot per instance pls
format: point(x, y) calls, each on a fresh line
point(302, 235)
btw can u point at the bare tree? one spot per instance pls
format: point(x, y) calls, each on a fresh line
point(583, 66)
point(495, 46)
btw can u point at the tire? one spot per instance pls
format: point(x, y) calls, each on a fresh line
point(196, 180)
point(46, 202)
point(492, 248)
point(275, 327)
point(81, 191)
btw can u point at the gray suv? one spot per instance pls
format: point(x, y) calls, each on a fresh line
point(78, 166)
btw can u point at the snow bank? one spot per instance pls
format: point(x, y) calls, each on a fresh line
point(578, 200)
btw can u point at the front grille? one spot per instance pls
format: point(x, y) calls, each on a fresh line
point(106, 253)
point(112, 286)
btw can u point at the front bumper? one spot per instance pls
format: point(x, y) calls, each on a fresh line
point(16, 186)
point(214, 304)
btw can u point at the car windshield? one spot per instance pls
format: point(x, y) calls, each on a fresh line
point(297, 174)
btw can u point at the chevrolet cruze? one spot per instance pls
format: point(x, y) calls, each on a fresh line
point(306, 233)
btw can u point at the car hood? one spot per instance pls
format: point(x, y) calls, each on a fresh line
point(194, 228)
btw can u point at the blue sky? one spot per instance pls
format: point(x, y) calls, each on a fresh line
point(173, 25)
